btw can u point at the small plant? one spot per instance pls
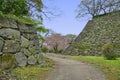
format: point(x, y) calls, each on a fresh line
point(108, 51)
point(44, 49)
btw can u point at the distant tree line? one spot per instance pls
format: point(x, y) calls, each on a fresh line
point(56, 42)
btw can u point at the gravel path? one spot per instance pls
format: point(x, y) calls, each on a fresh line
point(66, 69)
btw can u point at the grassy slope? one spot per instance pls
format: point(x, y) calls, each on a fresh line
point(33, 72)
point(110, 67)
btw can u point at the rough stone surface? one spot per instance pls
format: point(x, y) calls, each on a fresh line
point(39, 58)
point(31, 36)
point(21, 59)
point(26, 52)
point(1, 43)
point(99, 31)
point(7, 22)
point(11, 46)
point(34, 42)
point(26, 35)
point(33, 49)
point(24, 42)
point(32, 60)
point(27, 28)
point(19, 40)
point(10, 34)
point(1, 53)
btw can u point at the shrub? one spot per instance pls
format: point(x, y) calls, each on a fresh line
point(108, 51)
point(44, 49)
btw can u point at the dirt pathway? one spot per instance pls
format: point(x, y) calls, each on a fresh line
point(66, 69)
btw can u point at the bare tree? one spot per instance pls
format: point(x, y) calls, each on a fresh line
point(97, 7)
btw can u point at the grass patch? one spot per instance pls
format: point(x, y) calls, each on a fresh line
point(25, 19)
point(33, 72)
point(111, 68)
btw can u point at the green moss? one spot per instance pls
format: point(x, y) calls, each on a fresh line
point(8, 61)
point(25, 20)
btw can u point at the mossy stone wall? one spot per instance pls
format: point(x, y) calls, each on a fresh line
point(98, 32)
point(18, 43)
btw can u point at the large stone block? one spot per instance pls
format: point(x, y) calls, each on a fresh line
point(34, 49)
point(26, 35)
point(10, 34)
point(26, 28)
point(33, 37)
point(1, 53)
point(32, 60)
point(1, 43)
point(30, 36)
point(24, 42)
point(34, 43)
point(21, 59)
point(39, 58)
point(26, 52)
point(7, 22)
point(11, 46)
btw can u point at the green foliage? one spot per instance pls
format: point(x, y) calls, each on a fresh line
point(51, 51)
point(108, 51)
point(23, 9)
point(38, 5)
point(42, 29)
point(26, 19)
point(44, 49)
point(16, 7)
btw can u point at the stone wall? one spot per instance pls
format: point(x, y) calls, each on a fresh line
point(98, 32)
point(19, 44)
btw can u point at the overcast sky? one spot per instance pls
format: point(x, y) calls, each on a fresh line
point(66, 23)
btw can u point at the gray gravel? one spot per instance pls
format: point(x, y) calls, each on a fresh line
point(66, 69)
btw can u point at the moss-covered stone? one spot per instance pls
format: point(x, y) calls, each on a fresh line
point(26, 52)
point(39, 58)
point(32, 60)
point(24, 42)
point(10, 34)
point(7, 61)
point(11, 46)
point(19, 40)
point(7, 22)
point(21, 59)
point(1, 43)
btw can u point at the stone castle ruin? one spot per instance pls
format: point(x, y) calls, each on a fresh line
point(19, 44)
point(99, 31)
